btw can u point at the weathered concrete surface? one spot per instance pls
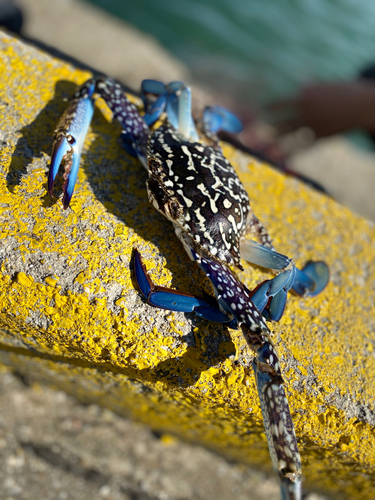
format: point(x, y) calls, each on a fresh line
point(52, 447)
point(71, 313)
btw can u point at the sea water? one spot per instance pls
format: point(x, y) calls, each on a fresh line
point(262, 50)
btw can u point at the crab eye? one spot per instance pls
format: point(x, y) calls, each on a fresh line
point(153, 165)
point(71, 140)
point(174, 209)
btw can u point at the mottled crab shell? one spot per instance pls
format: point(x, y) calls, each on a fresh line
point(196, 187)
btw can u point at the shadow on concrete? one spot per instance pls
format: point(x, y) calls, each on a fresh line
point(37, 137)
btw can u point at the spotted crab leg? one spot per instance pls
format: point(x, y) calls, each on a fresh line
point(281, 438)
point(237, 308)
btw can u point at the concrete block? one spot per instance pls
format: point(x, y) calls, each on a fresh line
point(71, 314)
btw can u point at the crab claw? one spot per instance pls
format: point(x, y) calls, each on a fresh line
point(173, 98)
point(309, 281)
point(155, 110)
point(271, 295)
point(217, 118)
point(165, 95)
point(153, 87)
point(61, 148)
point(312, 279)
point(69, 139)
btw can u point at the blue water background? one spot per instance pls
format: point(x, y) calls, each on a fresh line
point(262, 50)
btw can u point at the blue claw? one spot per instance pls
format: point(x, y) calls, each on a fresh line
point(175, 99)
point(312, 279)
point(172, 110)
point(167, 298)
point(143, 280)
point(282, 281)
point(71, 179)
point(162, 297)
point(60, 148)
point(260, 296)
point(155, 110)
point(152, 87)
point(276, 308)
point(70, 136)
point(174, 87)
point(216, 118)
point(159, 88)
point(270, 297)
point(166, 101)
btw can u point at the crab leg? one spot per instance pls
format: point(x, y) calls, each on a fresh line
point(281, 438)
point(278, 422)
point(167, 298)
point(237, 308)
point(135, 131)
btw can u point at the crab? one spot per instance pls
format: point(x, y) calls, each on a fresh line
point(194, 186)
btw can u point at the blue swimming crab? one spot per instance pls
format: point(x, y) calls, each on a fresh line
point(194, 186)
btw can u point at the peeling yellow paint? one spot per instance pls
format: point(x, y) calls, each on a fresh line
point(326, 343)
point(52, 280)
point(23, 279)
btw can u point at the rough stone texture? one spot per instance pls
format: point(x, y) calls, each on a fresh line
point(71, 314)
point(51, 447)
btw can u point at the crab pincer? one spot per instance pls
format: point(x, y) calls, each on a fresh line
point(69, 138)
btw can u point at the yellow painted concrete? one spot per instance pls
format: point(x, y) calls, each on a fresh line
point(119, 352)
